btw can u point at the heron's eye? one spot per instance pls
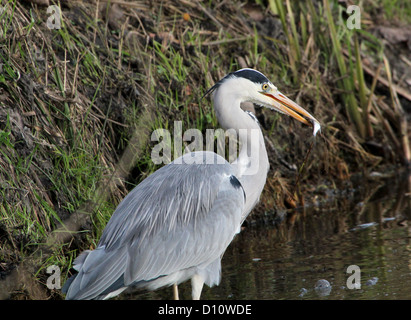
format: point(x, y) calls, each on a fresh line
point(265, 86)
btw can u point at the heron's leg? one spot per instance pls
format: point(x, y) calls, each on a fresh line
point(175, 291)
point(197, 283)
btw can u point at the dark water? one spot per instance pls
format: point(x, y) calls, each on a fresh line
point(368, 228)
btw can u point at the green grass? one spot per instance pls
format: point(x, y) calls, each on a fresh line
point(399, 10)
point(348, 81)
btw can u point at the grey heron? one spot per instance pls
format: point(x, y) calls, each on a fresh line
point(176, 224)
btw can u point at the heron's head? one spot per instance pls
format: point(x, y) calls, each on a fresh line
point(251, 85)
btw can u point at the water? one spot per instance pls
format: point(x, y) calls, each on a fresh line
point(271, 264)
point(368, 229)
point(285, 262)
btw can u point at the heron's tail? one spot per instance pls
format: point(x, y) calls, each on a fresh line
point(100, 275)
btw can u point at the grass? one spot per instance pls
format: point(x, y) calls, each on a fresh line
point(78, 106)
point(347, 81)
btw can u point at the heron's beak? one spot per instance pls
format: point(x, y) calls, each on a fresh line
point(289, 107)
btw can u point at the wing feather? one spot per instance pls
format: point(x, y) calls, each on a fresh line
point(181, 216)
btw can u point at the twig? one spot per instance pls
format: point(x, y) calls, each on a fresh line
point(218, 42)
point(369, 103)
point(208, 14)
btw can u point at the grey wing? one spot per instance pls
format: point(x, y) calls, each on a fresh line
point(181, 216)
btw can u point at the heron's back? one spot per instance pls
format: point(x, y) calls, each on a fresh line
point(176, 222)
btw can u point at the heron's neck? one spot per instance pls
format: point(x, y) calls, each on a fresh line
point(252, 164)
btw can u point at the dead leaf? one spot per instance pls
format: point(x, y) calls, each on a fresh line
point(166, 39)
point(187, 90)
point(254, 11)
point(113, 15)
point(290, 202)
point(186, 17)
point(395, 35)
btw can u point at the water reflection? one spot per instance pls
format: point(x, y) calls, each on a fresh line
point(369, 229)
point(321, 243)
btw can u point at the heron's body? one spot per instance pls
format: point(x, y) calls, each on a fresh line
point(177, 223)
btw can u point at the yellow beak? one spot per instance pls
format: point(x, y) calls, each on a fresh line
point(289, 107)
